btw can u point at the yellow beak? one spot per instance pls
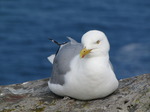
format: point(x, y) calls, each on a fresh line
point(84, 52)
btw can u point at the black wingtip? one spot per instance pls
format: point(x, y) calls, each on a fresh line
point(52, 40)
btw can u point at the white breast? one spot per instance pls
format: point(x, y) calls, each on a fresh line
point(88, 81)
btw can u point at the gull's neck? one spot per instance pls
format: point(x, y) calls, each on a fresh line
point(96, 59)
point(98, 56)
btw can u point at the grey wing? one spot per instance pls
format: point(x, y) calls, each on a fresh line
point(62, 61)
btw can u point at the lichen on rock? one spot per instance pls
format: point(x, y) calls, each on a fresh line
point(133, 95)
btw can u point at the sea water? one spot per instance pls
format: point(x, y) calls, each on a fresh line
point(26, 25)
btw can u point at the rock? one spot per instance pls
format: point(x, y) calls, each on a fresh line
point(133, 95)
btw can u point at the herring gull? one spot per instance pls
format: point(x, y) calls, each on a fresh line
point(83, 70)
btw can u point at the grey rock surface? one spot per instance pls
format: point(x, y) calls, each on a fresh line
point(133, 95)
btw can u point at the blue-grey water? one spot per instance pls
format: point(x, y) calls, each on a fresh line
point(26, 25)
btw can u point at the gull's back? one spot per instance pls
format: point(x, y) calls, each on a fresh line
point(61, 64)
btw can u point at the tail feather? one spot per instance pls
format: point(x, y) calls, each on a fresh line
point(51, 58)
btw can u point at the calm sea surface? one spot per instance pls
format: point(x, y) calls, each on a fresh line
point(26, 25)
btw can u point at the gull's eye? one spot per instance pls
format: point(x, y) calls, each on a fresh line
point(97, 42)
